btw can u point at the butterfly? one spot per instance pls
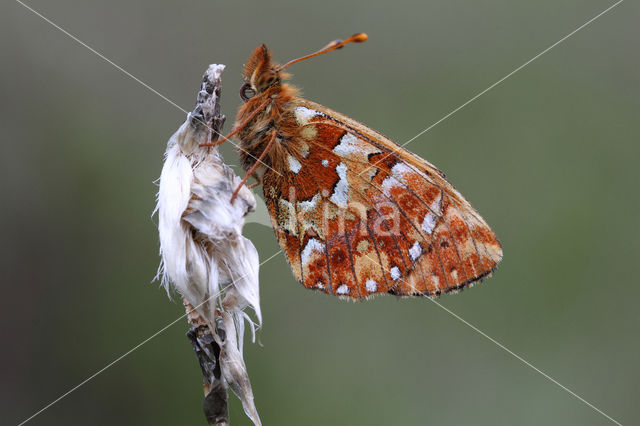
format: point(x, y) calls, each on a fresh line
point(355, 213)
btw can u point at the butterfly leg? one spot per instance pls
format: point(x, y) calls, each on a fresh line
point(255, 165)
point(241, 125)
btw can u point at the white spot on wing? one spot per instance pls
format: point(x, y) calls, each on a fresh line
point(286, 220)
point(371, 286)
point(325, 163)
point(397, 178)
point(304, 149)
point(343, 289)
point(348, 145)
point(294, 164)
point(312, 246)
point(309, 205)
point(395, 273)
point(339, 196)
point(304, 115)
point(400, 170)
point(428, 223)
point(436, 206)
point(436, 281)
point(415, 251)
point(388, 184)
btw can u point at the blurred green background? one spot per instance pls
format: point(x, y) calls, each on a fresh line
point(549, 158)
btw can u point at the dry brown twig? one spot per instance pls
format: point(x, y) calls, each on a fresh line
point(204, 255)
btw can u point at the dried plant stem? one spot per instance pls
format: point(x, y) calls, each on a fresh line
point(205, 257)
point(209, 122)
point(215, 404)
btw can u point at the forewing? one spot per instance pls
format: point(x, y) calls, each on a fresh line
point(357, 215)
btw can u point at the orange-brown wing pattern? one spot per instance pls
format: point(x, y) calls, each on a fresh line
point(357, 215)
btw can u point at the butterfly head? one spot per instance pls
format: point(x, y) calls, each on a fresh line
point(261, 74)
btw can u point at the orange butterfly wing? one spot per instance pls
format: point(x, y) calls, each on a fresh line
point(357, 215)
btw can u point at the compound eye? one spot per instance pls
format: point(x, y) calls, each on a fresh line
point(247, 92)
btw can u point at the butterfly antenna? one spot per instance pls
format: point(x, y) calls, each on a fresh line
point(336, 44)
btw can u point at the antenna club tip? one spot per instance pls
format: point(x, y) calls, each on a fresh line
point(359, 37)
